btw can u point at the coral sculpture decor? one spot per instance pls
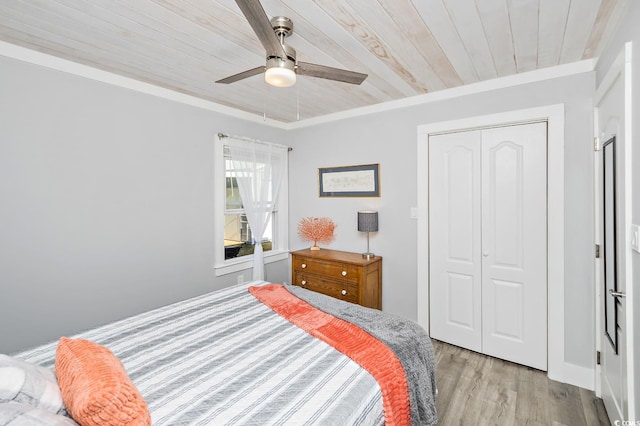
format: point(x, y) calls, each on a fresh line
point(316, 229)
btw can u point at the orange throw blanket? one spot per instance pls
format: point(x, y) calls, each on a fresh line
point(371, 354)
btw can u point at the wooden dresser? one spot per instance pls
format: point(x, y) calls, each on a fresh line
point(340, 274)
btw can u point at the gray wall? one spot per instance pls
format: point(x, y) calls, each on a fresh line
point(390, 138)
point(106, 202)
point(630, 31)
point(107, 198)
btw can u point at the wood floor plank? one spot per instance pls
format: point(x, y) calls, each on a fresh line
point(499, 407)
point(594, 410)
point(476, 389)
point(566, 404)
point(451, 362)
point(500, 401)
point(533, 394)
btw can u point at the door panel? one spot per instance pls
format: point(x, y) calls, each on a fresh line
point(454, 188)
point(509, 319)
point(610, 187)
point(503, 183)
point(460, 301)
point(514, 229)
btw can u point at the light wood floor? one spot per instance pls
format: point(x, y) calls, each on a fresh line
point(475, 389)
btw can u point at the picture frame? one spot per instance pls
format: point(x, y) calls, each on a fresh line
point(350, 181)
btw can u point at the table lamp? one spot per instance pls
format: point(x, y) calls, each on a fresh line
point(368, 222)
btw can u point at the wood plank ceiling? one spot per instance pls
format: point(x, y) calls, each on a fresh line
point(408, 47)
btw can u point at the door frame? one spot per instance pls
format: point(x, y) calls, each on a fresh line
point(620, 68)
point(554, 116)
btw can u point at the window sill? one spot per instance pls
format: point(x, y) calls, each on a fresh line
point(246, 262)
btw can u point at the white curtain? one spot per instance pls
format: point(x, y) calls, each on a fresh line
point(258, 168)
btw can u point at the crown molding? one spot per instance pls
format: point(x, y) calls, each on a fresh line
point(587, 65)
point(53, 62)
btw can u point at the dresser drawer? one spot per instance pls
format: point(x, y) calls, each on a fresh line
point(340, 290)
point(327, 269)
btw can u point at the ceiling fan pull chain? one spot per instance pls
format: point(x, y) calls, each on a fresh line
point(297, 102)
point(264, 102)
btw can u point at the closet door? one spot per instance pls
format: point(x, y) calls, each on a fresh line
point(455, 239)
point(514, 244)
point(487, 241)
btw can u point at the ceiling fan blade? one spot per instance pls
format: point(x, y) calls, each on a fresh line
point(242, 75)
point(259, 21)
point(330, 73)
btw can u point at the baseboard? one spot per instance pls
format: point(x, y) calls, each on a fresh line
point(579, 376)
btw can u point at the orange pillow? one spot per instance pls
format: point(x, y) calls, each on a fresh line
point(95, 386)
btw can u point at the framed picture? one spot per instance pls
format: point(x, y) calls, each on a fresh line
point(350, 181)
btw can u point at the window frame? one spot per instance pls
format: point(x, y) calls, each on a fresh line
point(280, 248)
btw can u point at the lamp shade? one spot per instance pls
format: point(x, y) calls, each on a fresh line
point(368, 221)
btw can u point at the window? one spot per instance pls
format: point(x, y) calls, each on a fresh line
point(235, 242)
point(238, 239)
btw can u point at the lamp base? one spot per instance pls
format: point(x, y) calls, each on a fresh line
point(368, 256)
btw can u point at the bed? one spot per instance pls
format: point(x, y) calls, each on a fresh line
point(232, 357)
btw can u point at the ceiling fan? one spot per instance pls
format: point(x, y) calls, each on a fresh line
point(281, 67)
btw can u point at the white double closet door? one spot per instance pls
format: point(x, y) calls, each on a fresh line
point(488, 241)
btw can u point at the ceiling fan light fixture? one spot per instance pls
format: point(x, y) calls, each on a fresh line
point(282, 66)
point(280, 73)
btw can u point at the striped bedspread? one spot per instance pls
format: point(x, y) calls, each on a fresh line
point(226, 358)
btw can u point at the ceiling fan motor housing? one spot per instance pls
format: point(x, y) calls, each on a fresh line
point(290, 52)
point(282, 26)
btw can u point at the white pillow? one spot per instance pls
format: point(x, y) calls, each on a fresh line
point(18, 414)
point(31, 384)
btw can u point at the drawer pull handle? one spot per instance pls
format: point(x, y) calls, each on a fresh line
point(344, 273)
point(303, 282)
point(344, 292)
point(304, 265)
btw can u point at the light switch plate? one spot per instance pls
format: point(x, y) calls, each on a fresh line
point(413, 213)
point(635, 238)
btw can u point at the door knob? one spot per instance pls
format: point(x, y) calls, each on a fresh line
point(485, 253)
point(617, 293)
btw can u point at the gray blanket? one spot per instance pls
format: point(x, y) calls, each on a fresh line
point(406, 339)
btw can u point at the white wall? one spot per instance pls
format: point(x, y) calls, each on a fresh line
point(629, 30)
point(106, 202)
point(389, 138)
